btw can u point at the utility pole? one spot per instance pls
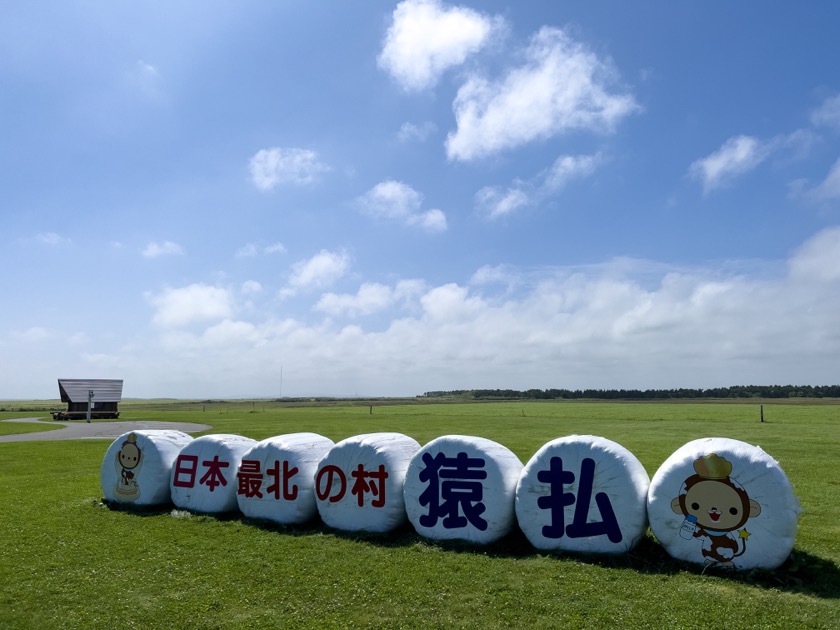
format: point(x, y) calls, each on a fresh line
point(90, 403)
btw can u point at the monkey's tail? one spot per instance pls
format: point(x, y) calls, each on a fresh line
point(743, 545)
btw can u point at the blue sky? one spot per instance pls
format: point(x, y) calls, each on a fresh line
point(379, 198)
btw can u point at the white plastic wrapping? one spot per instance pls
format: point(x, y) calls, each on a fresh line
point(583, 493)
point(276, 478)
point(204, 475)
point(359, 482)
point(138, 464)
point(462, 488)
point(723, 502)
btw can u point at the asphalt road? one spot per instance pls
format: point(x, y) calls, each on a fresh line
point(81, 430)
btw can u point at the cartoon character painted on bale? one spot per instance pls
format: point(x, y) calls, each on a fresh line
point(715, 507)
point(129, 458)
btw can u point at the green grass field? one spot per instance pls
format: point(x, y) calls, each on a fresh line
point(67, 561)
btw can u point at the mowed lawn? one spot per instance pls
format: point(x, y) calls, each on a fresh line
point(68, 561)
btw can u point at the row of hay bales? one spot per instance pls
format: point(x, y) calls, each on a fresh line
point(714, 501)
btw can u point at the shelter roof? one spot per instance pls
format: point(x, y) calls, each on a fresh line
point(104, 389)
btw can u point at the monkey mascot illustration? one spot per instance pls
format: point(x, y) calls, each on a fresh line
point(715, 507)
point(129, 458)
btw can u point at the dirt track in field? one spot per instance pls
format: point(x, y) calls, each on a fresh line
point(81, 430)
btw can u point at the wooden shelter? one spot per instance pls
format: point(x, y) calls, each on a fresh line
point(105, 395)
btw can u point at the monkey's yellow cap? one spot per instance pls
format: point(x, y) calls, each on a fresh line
point(712, 466)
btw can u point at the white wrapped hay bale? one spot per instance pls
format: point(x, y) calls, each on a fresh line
point(204, 475)
point(462, 488)
point(583, 493)
point(276, 478)
point(138, 464)
point(723, 502)
point(359, 482)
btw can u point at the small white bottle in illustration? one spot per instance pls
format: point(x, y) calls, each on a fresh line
point(688, 527)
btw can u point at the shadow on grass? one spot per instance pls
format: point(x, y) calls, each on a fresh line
point(802, 572)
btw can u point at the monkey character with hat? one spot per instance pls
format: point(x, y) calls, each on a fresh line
point(718, 506)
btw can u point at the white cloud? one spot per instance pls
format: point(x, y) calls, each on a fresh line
point(742, 154)
point(409, 132)
point(562, 87)
point(494, 202)
point(321, 270)
point(217, 337)
point(391, 200)
point(406, 290)
point(828, 114)
point(494, 274)
point(229, 332)
point(398, 201)
point(625, 323)
point(371, 298)
point(426, 38)
point(451, 303)
point(818, 259)
point(51, 239)
point(568, 167)
point(737, 156)
point(167, 248)
point(250, 287)
point(830, 186)
point(275, 248)
point(190, 304)
point(799, 142)
point(271, 167)
point(433, 220)
point(248, 250)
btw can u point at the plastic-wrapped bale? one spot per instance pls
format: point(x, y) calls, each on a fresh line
point(585, 494)
point(138, 464)
point(204, 476)
point(276, 478)
point(462, 488)
point(359, 482)
point(723, 502)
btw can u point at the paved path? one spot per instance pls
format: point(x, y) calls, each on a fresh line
point(96, 430)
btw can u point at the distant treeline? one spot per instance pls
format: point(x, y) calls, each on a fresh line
point(739, 391)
